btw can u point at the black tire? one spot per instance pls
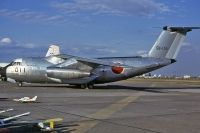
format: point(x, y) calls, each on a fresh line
point(83, 86)
point(90, 86)
point(20, 84)
point(4, 78)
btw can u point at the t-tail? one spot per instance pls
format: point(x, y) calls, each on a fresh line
point(168, 43)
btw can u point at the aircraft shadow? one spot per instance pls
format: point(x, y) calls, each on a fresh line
point(65, 128)
point(59, 128)
point(155, 89)
point(140, 87)
point(121, 87)
point(4, 99)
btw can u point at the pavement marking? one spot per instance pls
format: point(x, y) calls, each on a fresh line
point(104, 114)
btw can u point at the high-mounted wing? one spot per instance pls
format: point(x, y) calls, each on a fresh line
point(90, 62)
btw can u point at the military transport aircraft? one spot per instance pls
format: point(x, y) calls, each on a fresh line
point(68, 69)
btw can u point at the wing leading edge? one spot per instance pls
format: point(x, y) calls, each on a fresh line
point(91, 62)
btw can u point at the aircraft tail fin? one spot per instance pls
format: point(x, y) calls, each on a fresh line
point(34, 98)
point(53, 50)
point(168, 43)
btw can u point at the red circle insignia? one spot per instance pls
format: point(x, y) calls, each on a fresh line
point(117, 69)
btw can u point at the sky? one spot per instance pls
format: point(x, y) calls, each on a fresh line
point(98, 28)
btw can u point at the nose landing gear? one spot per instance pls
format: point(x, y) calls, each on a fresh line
point(20, 84)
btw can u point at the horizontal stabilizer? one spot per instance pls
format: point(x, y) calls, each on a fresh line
point(180, 29)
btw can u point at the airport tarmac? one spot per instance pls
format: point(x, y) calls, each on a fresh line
point(136, 105)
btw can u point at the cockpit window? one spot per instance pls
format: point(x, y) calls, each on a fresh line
point(17, 62)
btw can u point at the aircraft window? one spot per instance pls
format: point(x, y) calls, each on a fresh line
point(16, 63)
point(13, 64)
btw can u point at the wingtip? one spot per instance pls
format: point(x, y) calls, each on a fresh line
point(173, 60)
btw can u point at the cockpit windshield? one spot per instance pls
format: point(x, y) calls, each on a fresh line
point(17, 62)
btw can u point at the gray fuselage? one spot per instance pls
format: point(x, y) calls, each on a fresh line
point(41, 70)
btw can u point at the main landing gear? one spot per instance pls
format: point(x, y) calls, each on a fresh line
point(20, 84)
point(87, 86)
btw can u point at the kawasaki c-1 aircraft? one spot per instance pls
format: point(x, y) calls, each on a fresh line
point(68, 69)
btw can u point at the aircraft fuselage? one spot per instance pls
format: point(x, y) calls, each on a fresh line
point(38, 70)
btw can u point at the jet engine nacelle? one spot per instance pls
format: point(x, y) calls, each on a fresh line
point(60, 73)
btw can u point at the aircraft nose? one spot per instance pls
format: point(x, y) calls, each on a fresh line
point(3, 73)
point(9, 71)
point(11, 74)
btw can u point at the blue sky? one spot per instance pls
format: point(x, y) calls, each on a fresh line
point(97, 28)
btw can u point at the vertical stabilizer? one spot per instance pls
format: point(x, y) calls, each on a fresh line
point(168, 43)
point(34, 98)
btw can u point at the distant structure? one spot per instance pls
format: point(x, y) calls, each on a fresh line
point(159, 76)
point(186, 77)
point(149, 76)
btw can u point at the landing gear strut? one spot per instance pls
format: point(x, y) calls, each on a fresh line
point(4, 78)
point(90, 86)
point(20, 84)
point(83, 86)
point(87, 86)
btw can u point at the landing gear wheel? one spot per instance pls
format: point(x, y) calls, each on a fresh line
point(83, 86)
point(90, 86)
point(87, 86)
point(20, 84)
point(4, 79)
